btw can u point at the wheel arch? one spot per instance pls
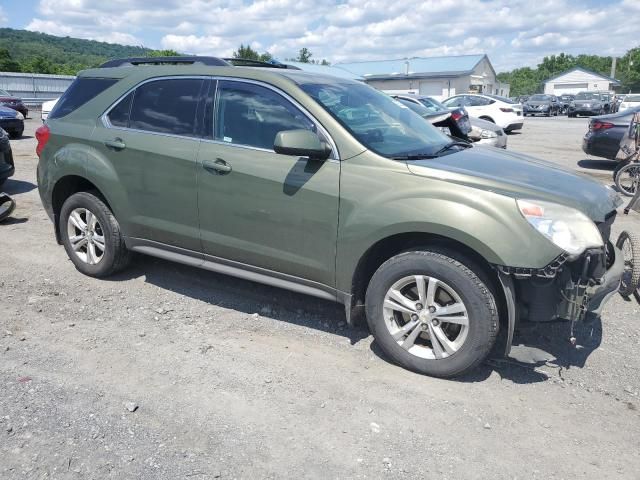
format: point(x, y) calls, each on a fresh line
point(66, 186)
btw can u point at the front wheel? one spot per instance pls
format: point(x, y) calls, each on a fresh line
point(628, 179)
point(629, 244)
point(91, 235)
point(431, 313)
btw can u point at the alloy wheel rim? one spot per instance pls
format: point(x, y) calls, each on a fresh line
point(86, 236)
point(426, 317)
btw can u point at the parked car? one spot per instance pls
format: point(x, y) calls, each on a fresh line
point(542, 104)
point(487, 133)
point(498, 110)
point(8, 100)
point(455, 123)
point(605, 133)
point(521, 99)
point(7, 167)
point(12, 121)
point(629, 101)
point(607, 100)
point(46, 109)
point(565, 100)
point(328, 187)
point(587, 103)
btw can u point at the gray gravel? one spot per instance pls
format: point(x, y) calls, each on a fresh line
point(168, 372)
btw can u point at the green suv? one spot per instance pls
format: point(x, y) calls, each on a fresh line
point(328, 187)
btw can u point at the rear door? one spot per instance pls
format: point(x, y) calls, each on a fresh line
point(257, 207)
point(150, 137)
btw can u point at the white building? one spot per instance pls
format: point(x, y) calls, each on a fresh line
point(439, 77)
point(579, 80)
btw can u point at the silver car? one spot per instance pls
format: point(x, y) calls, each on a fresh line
point(487, 133)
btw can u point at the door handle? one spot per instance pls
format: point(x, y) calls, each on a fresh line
point(116, 144)
point(219, 166)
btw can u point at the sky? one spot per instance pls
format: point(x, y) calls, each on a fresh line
point(514, 33)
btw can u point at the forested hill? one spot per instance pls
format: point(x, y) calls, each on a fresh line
point(25, 51)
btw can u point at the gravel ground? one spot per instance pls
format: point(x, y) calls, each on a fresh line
point(169, 372)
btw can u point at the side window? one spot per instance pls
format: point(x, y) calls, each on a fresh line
point(166, 106)
point(478, 101)
point(252, 115)
point(80, 92)
point(119, 115)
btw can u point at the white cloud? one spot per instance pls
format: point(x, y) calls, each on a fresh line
point(3, 16)
point(512, 32)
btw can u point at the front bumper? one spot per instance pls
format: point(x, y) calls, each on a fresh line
point(585, 110)
point(7, 167)
point(12, 124)
point(545, 110)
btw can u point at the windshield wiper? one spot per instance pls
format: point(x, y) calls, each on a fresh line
point(417, 156)
point(452, 144)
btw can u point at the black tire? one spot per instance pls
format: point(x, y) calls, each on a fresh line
point(115, 256)
point(619, 165)
point(465, 280)
point(631, 276)
point(630, 171)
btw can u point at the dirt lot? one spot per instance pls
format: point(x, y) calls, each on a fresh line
point(236, 380)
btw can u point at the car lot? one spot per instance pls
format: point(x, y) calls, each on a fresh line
point(238, 380)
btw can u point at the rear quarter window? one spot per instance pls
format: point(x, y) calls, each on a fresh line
point(79, 92)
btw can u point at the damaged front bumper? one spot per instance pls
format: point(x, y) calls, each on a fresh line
point(572, 289)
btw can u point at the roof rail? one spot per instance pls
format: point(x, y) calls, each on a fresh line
point(134, 61)
point(247, 62)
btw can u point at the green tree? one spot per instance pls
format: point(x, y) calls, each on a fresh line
point(249, 53)
point(304, 56)
point(162, 53)
point(7, 63)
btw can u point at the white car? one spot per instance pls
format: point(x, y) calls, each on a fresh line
point(47, 107)
point(631, 100)
point(499, 110)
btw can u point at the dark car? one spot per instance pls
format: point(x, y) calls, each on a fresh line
point(565, 100)
point(457, 121)
point(605, 133)
point(441, 118)
point(541, 104)
point(12, 121)
point(7, 167)
point(8, 100)
point(521, 99)
point(587, 103)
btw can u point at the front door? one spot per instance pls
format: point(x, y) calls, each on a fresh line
point(151, 142)
point(257, 207)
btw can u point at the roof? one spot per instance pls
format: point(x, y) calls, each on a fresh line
point(450, 66)
point(584, 70)
point(325, 70)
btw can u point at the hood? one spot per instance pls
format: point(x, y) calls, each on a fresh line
point(538, 102)
point(436, 117)
point(521, 176)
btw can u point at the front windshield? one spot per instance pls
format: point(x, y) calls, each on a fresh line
point(418, 108)
point(376, 120)
point(539, 98)
point(587, 96)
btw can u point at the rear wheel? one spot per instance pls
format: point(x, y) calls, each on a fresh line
point(91, 235)
point(431, 313)
point(628, 179)
point(629, 244)
point(619, 165)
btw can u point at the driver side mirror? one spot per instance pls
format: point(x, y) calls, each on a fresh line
point(301, 143)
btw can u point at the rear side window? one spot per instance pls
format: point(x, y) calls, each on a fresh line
point(166, 106)
point(80, 92)
point(119, 115)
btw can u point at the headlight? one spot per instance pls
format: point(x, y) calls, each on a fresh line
point(566, 227)
point(19, 116)
point(488, 134)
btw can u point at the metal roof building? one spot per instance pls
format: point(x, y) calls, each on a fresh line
point(579, 79)
point(439, 77)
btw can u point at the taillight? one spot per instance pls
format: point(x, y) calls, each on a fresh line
point(506, 110)
point(456, 116)
point(42, 135)
point(599, 125)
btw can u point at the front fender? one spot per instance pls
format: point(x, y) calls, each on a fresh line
point(486, 222)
